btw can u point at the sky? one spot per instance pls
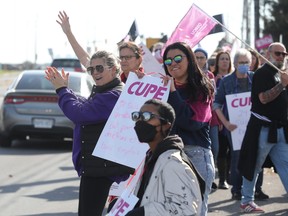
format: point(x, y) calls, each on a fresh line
point(29, 27)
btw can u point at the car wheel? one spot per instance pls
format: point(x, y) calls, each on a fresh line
point(5, 141)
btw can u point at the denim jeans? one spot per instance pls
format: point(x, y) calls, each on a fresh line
point(202, 159)
point(235, 176)
point(278, 153)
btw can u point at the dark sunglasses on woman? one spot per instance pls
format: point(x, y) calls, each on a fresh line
point(98, 68)
point(177, 59)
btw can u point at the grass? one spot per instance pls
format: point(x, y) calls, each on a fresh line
point(8, 71)
point(2, 72)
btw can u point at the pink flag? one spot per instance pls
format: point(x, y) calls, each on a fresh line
point(193, 27)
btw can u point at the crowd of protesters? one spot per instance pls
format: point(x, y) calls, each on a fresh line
point(193, 128)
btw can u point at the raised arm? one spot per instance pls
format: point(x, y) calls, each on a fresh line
point(81, 54)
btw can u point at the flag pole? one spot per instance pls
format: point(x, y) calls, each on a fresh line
point(240, 40)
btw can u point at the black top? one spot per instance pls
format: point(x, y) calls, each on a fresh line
point(264, 79)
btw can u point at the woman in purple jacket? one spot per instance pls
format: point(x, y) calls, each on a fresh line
point(89, 116)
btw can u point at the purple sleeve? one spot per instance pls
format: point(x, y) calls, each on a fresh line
point(80, 110)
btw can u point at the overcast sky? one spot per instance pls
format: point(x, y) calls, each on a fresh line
point(29, 26)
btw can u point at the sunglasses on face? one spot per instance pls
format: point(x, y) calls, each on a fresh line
point(128, 57)
point(98, 68)
point(145, 116)
point(277, 53)
point(177, 59)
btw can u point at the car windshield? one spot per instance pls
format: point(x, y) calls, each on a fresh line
point(35, 81)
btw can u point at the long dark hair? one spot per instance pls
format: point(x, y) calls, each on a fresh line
point(198, 81)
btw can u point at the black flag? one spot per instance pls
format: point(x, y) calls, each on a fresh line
point(133, 32)
point(164, 39)
point(217, 28)
point(131, 35)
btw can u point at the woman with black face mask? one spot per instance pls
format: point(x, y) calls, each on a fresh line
point(167, 169)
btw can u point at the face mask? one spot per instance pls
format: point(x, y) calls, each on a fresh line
point(243, 69)
point(145, 131)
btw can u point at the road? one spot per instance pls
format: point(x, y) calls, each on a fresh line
point(37, 178)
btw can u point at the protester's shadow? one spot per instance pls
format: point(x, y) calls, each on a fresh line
point(13, 188)
point(59, 194)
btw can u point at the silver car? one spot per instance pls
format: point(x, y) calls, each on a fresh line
point(30, 107)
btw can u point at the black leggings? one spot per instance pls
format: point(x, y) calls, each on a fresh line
point(93, 195)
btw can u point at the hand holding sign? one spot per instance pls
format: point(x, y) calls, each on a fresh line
point(238, 106)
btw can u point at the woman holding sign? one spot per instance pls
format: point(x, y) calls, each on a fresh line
point(237, 82)
point(90, 116)
point(191, 95)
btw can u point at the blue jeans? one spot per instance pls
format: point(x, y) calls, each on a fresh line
point(213, 133)
point(235, 176)
point(202, 159)
point(278, 153)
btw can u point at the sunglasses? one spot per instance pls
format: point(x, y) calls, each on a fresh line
point(177, 59)
point(126, 57)
point(98, 68)
point(277, 53)
point(145, 116)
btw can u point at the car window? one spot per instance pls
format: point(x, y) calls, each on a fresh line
point(39, 82)
point(29, 81)
point(73, 63)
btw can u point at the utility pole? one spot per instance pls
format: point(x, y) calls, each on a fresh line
point(246, 21)
point(248, 25)
point(257, 18)
point(35, 42)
